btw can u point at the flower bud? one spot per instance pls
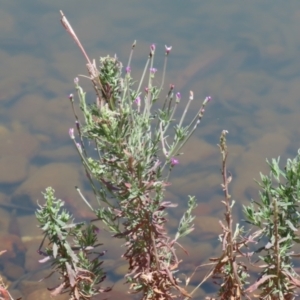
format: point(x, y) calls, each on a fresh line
point(168, 49)
point(137, 101)
point(174, 161)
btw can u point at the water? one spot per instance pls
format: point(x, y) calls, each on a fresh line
point(245, 55)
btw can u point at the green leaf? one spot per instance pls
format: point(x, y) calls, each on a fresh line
point(54, 250)
point(291, 226)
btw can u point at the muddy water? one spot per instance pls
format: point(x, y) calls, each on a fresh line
point(245, 55)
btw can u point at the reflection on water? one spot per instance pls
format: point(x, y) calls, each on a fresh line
point(244, 55)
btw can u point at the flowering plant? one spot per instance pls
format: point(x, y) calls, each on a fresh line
point(129, 143)
point(128, 151)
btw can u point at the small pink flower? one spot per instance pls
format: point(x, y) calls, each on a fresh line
point(207, 99)
point(71, 96)
point(137, 101)
point(172, 86)
point(76, 80)
point(174, 161)
point(96, 229)
point(152, 50)
point(153, 71)
point(168, 49)
point(71, 133)
point(178, 96)
point(191, 95)
point(79, 147)
point(128, 70)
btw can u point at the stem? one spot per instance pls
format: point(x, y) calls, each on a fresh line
point(199, 116)
point(148, 98)
point(130, 55)
point(83, 198)
point(143, 76)
point(191, 98)
point(276, 242)
point(164, 73)
point(94, 73)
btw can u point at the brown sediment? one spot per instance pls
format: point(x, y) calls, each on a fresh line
point(14, 226)
point(15, 206)
point(201, 63)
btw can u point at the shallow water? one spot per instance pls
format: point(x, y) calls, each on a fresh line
point(245, 55)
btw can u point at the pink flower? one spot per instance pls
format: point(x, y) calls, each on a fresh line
point(174, 161)
point(152, 50)
point(137, 101)
point(96, 229)
point(76, 80)
point(168, 49)
point(153, 70)
point(191, 95)
point(207, 99)
point(128, 70)
point(71, 133)
point(78, 147)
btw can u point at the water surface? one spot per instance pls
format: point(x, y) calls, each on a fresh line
point(245, 55)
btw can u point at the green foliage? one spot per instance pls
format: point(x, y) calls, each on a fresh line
point(185, 225)
point(134, 155)
point(277, 218)
point(128, 151)
point(129, 142)
point(70, 249)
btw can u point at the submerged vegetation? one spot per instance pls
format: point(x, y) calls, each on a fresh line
point(129, 142)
